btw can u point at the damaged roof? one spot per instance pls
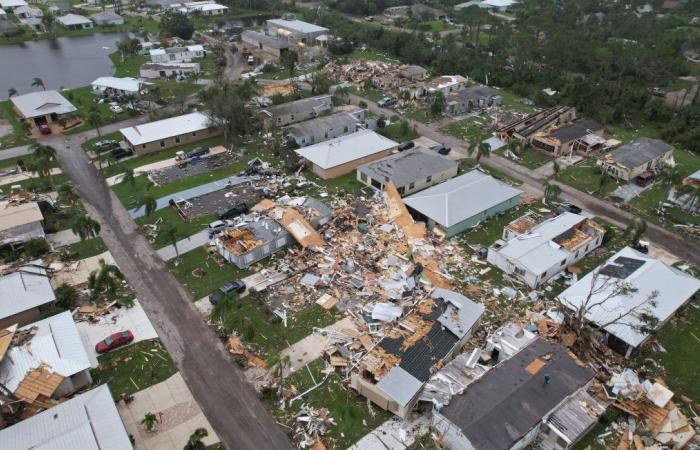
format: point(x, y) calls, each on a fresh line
point(461, 314)
point(25, 289)
point(508, 401)
point(319, 103)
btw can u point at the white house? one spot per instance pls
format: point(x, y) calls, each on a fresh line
point(87, 421)
point(27, 12)
point(117, 86)
point(22, 293)
point(650, 286)
point(75, 21)
point(177, 54)
point(166, 70)
point(295, 30)
point(11, 5)
point(55, 345)
point(107, 18)
point(535, 252)
point(170, 132)
point(205, 8)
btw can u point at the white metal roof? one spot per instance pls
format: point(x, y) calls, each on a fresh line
point(205, 6)
point(56, 343)
point(12, 3)
point(73, 19)
point(672, 287)
point(297, 25)
point(162, 129)
point(40, 103)
point(88, 421)
point(156, 51)
point(18, 215)
point(400, 385)
point(460, 198)
point(25, 289)
point(461, 314)
point(535, 249)
point(346, 148)
point(123, 84)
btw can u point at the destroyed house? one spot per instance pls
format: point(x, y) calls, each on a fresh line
point(87, 421)
point(625, 287)
point(20, 223)
point(23, 293)
point(324, 128)
point(569, 422)
point(505, 407)
point(461, 203)
point(392, 374)
point(561, 140)
point(270, 228)
point(471, 99)
point(444, 84)
point(535, 252)
point(524, 129)
point(296, 111)
point(410, 171)
point(633, 159)
point(46, 358)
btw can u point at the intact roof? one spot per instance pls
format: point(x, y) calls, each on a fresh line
point(73, 19)
point(297, 25)
point(269, 41)
point(346, 148)
point(56, 344)
point(333, 121)
point(645, 274)
point(535, 249)
point(299, 106)
point(12, 216)
point(575, 130)
point(12, 3)
point(498, 409)
point(106, 15)
point(639, 152)
point(408, 166)
point(460, 198)
point(694, 176)
point(25, 289)
point(474, 93)
point(168, 65)
point(162, 129)
point(124, 84)
point(40, 103)
point(88, 421)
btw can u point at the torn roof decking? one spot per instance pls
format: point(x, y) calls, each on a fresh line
point(294, 222)
point(38, 383)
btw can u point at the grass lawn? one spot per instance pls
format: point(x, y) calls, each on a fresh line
point(170, 217)
point(133, 368)
point(464, 129)
point(399, 132)
point(626, 134)
point(85, 249)
point(214, 274)
point(85, 100)
point(590, 439)
point(37, 184)
point(266, 334)
point(130, 66)
point(532, 159)
point(344, 184)
point(17, 136)
point(585, 177)
point(439, 25)
point(372, 94)
point(491, 230)
point(371, 55)
point(350, 411)
point(418, 114)
point(512, 101)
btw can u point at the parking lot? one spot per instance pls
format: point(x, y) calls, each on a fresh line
point(208, 203)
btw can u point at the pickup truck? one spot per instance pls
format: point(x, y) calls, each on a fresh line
point(197, 151)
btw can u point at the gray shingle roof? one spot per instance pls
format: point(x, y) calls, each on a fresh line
point(331, 122)
point(297, 106)
point(640, 152)
point(577, 129)
point(408, 167)
point(497, 410)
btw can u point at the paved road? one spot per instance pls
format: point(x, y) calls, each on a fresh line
point(228, 401)
point(685, 247)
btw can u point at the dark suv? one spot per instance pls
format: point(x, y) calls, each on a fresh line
point(406, 145)
point(233, 211)
point(236, 287)
point(199, 151)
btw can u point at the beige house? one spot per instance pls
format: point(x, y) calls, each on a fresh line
point(20, 223)
point(168, 133)
point(631, 160)
point(560, 141)
point(410, 171)
point(337, 157)
point(43, 107)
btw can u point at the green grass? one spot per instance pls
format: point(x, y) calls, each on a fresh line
point(85, 249)
point(85, 101)
point(626, 134)
point(464, 129)
point(169, 216)
point(129, 67)
point(350, 411)
point(398, 132)
point(344, 184)
point(37, 184)
point(491, 230)
point(371, 93)
point(214, 274)
point(418, 114)
point(439, 25)
point(532, 159)
point(468, 163)
point(585, 177)
point(133, 368)
point(264, 332)
point(513, 102)
point(17, 136)
point(371, 55)
point(590, 439)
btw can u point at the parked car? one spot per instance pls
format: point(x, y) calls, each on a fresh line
point(233, 211)
point(406, 145)
point(441, 149)
point(103, 146)
point(233, 287)
point(388, 102)
point(114, 341)
point(44, 128)
point(120, 153)
point(218, 226)
point(197, 151)
point(251, 60)
point(566, 206)
point(116, 109)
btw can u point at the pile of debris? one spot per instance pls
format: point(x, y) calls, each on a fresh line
point(312, 424)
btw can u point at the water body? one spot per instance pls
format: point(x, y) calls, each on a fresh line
point(67, 62)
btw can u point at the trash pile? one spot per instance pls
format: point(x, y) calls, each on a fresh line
point(380, 74)
point(311, 423)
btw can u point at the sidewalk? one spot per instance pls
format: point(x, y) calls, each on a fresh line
point(184, 245)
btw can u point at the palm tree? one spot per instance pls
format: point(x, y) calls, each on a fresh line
point(172, 234)
point(149, 204)
point(484, 150)
point(38, 82)
point(149, 421)
point(85, 227)
point(67, 194)
point(47, 21)
point(195, 440)
point(551, 192)
point(129, 178)
point(42, 150)
point(105, 281)
point(670, 177)
point(11, 92)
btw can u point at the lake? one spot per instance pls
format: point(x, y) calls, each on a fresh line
point(64, 62)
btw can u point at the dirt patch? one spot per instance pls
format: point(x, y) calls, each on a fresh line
point(190, 168)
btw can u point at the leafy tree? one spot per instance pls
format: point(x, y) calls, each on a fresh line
point(85, 227)
point(172, 234)
point(43, 151)
point(483, 151)
point(129, 178)
point(66, 296)
point(36, 248)
point(634, 231)
point(556, 168)
point(551, 192)
point(128, 46)
point(226, 109)
point(195, 440)
point(670, 177)
point(175, 23)
point(105, 281)
point(38, 82)
point(48, 21)
point(289, 60)
point(67, 194)
point(149, 421)
point(11, 92)
point(436, 103)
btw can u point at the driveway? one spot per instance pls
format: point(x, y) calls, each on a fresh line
point(217, 384)
point(184, 245)
point(685, 247)
point(119, 319)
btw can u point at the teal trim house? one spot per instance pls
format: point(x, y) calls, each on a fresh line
point(462, 203)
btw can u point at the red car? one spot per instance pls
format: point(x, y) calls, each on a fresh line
point(44, 129)
point(114, 341)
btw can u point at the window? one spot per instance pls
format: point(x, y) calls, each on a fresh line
point(177, 139)
point(519, 271)
point(162, 143)
point(281, 242)
point(401, 190)
point(429, 179)
point(376, 184)
point(194, 133)
point(292, 116)
point(143, 146)
point(563, 263)
point(411, 186)
point(345, 130)
point(363, 176)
